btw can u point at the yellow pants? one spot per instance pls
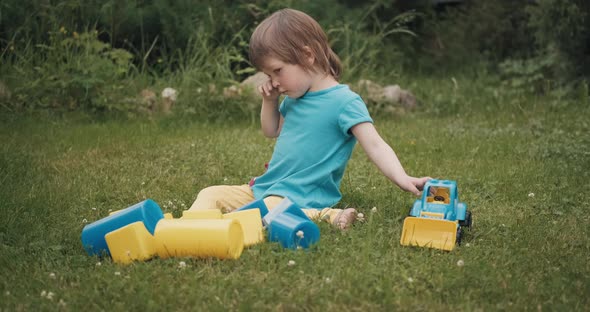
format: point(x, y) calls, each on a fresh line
point(230, 197)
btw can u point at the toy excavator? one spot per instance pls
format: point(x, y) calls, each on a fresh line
point(436, 220)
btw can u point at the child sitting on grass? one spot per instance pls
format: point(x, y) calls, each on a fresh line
point(316, 125)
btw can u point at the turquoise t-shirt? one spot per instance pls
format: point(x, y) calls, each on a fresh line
point(313, 148)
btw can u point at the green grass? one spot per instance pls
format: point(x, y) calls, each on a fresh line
point(524, 252)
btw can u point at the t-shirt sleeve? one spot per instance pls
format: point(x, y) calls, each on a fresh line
point(353, 113)
point(283, 107)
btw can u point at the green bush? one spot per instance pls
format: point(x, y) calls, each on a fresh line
point(561, 59)
point(463, 37)
point(72, 71)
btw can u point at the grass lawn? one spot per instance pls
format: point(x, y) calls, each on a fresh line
point(522, 169)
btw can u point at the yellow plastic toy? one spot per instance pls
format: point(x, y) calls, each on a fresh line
point(202, 214)
point(251, 225)
point(131, 242)
point(223, 239)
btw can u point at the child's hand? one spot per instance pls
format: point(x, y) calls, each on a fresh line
point(413, 185)
point(268, 91)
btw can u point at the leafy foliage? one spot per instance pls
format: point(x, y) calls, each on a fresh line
point(562, 55)
point(71, 71)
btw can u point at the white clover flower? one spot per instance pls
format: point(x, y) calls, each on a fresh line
point(50, 295)
point(460, 263)
point(117, 273)
point(94, 208)
point(299, 234)
point(7, 293)
point(61, 303)
point(360, 217)
point(531, 194)
point(98, 263)
point(52, 275)
point(374, 209)
point(84, 220)
point(328, 280)
point(43, 293)
point(169, 93)
point(467, 245)
point(181, 265)
point(291, 263)
point(410, 280)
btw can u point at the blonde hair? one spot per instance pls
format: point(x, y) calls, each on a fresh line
point(284, 35)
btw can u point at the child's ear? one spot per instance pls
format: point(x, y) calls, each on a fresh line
point(309, 55)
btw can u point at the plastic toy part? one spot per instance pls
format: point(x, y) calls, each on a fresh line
point(131, 242)
point(255, 204)
point(288, 225)
point(251, 225)
point(93, 234)
point(223, 239)
point(439, 234)
point(202, 214)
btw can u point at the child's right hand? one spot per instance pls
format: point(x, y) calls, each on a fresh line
point(268, 91)
point(412, 184)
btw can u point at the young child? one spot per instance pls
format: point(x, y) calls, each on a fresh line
point(317, 125)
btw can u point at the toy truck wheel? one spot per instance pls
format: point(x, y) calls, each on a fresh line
point(459, 234)
point(467, 222)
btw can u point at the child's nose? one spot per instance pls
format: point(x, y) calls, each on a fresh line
point(275, 83)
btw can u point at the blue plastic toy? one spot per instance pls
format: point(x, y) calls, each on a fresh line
point(255, 204)
point(437, 219)
point(288, 225)
point(93, 234)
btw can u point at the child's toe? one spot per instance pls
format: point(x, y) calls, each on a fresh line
point(345, 218)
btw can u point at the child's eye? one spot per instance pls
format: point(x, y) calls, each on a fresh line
point(277, 71)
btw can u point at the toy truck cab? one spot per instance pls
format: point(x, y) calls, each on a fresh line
point(440, 200)
point(436, 219)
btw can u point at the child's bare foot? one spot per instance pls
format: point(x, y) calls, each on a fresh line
point(345, 218)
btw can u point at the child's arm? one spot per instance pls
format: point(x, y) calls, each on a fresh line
point(382, 155)
point(270, 117)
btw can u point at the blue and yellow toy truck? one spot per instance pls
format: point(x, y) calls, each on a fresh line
point(436, 220)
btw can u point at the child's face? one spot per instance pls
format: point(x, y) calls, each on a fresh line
point(288, 79)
